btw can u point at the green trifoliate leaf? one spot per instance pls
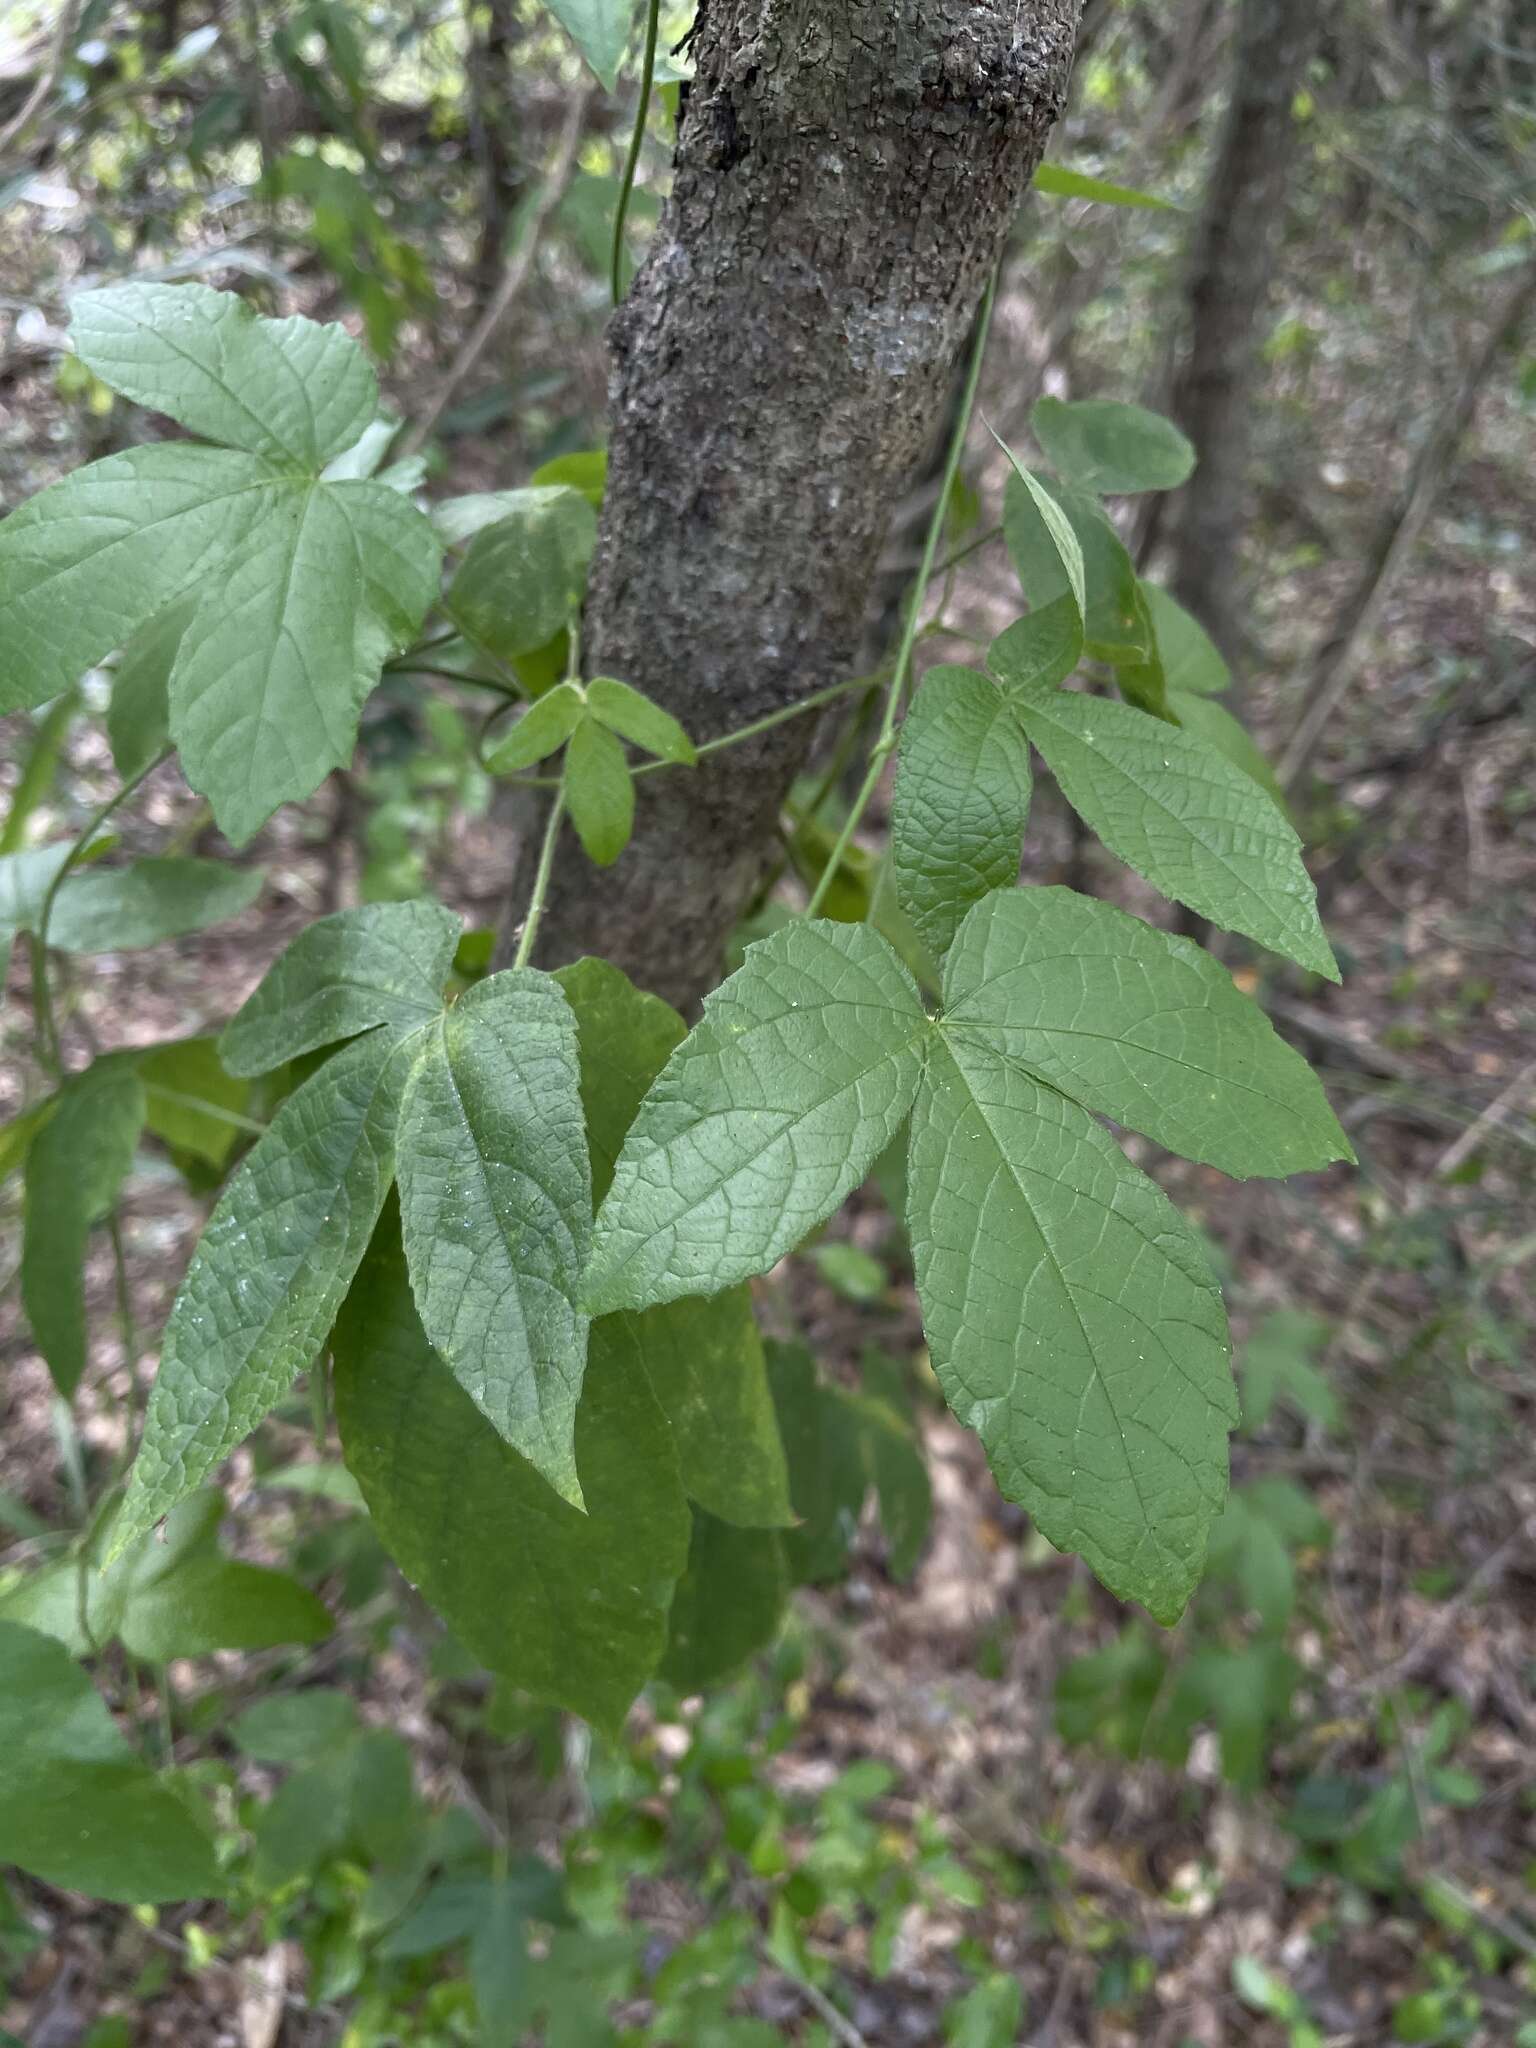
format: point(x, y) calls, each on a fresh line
point(543, 728)
point(1072, 1322)
point(1214, 723)
point(385, 963)
point(635, 718)
point(75, 1167)
point(961, 801)
point(139, 714)
point(600, 30)
point(729, 1603)
point(269, 1273)
point(624, 1038)
point(705, 1363)
point(570, 1607)
point(1140, 1026)
point(118, 910)
point(599, 792)
point(1200, 831)
point(496, 1208)
point(289, 389)
point(775, 1106)
point(1191, 659)
point(523, 576)
point(77, 1807)
point(704, 1359)
point(275, 664)
point(178, 1598)
point(1101, 446)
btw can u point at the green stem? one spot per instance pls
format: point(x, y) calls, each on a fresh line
point(886, 741)
point(632, 160)
point(541, 879)
point(42, 995)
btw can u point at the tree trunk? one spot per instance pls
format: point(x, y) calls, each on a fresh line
point(1228, 288)
point(845, 176)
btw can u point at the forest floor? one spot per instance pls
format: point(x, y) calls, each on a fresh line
point(1418, 1270)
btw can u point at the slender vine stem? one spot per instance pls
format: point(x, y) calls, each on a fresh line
point(541, 879)
point(42, 993)
point(636, 141)
point(896, 688)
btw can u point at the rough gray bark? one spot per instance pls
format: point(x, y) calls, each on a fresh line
point(1228, 288)
point(845, 175)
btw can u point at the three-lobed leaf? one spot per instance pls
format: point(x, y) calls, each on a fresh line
point(1141, 1026)
point(800, 1072)
point(496, 1208)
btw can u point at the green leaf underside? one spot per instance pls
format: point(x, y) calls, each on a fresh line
point(1072, 1322)
point(961, 801)
point(290, 389)
point(496, 1208)
point(600, 30)
point(77, 1807)
point(522, 577)
point(269, 1273)
point(139, 711)
point(1101, 445)
point(728, 1605)
point(75, 1166)
point(1141, 1026)
point(385, 963)
point(772, 1110)
point(570, 1607)
point(704, 1359)
point(1042, 543)
point(119, 910)
point(705, 1364)
point(1198, 829)
point(1060, 182)
point(1190, 657)
point(181, 1597)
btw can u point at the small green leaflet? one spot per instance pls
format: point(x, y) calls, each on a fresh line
point(1061, 183)
point(1137, 1025)
point(1099, 445)
point(384, 963)
point(728, 1604)
point(570, 1607)
point(496, 1208)
point(1199, 829)
point(542, 730)
point(1072, 1322)
point(776, 1105)
point(600, 30)
point(268, 1274)
point(77, 1807)
point(75, 1166)
point(599, 792)
point(298, 587)
point(523, 575)
point(961, 801)
point(178, 1598)
point(632, 715)
point(704, 1359)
